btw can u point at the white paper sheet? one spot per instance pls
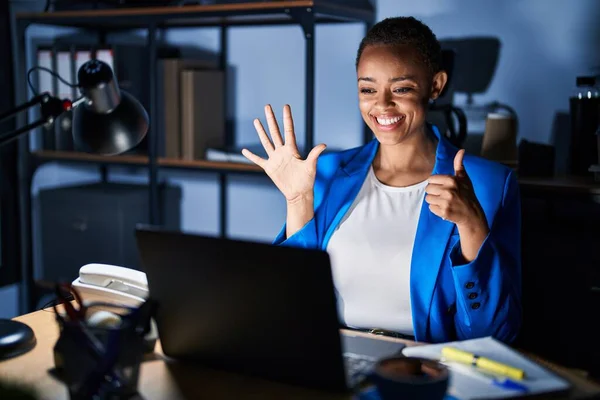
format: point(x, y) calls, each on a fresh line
point(469, 386)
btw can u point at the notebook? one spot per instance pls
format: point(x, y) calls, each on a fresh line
point(468, 384)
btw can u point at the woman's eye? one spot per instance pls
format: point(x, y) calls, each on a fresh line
point(366, 90)
point(402, 90)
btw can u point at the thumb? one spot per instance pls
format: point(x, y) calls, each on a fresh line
point(315, 153)
point(459, 168)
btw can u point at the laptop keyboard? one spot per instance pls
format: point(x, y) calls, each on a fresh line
point(357, 366)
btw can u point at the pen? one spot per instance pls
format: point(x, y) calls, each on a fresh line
point(509, 384)
point(454, 354)
point(502, 382)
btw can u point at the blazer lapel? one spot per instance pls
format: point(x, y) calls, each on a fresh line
point(431, 239)
point(345, 187)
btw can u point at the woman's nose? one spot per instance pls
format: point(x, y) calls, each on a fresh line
point(384, 99)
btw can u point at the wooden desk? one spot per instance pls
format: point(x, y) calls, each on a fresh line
point(161, 379)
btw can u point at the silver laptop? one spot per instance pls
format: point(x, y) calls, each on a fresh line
point(259, 309)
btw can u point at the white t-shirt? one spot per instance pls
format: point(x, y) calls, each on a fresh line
point(371, 253)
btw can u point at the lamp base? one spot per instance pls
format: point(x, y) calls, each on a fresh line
point(16, 338)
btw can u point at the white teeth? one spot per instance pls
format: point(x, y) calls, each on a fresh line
point(388, 121)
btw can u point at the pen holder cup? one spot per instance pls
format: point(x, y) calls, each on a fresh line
point(102, 362)
point(410, 378)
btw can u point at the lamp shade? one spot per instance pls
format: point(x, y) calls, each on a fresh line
point(110, 121)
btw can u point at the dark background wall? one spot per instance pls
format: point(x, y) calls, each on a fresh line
point(8, 172)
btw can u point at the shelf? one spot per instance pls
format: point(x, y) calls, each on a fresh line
point(566, 184)
point(51, 155)
point(562, 184)
point(208, 165)
point(255, 13)
point(44, 156)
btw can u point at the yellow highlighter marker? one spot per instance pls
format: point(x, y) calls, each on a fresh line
point(454, 354)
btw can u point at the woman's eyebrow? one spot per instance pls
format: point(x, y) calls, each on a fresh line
point(396, 79)
point(403, 78)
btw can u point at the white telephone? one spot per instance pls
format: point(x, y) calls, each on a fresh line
point(115, 285)
point(111, 284)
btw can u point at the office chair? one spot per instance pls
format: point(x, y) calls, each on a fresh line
point(451, 120)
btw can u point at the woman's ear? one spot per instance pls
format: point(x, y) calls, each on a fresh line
point(438, 83)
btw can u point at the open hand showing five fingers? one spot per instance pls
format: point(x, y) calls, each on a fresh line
point(292, 175)
point(451, 197)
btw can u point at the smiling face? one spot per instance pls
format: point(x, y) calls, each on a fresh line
point(394, 88)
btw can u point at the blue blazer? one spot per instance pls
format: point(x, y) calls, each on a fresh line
point(450, 300)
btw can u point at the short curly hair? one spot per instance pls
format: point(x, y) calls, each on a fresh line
point(398, 31)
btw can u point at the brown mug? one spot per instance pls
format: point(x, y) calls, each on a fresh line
point(410, 378)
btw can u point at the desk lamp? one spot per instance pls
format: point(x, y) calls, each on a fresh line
point(106, 120)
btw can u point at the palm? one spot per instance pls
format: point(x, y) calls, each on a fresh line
point(292, 175)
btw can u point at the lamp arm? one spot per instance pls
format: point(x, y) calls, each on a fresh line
point(8, 136)
point(51, 108)
point(36, 100)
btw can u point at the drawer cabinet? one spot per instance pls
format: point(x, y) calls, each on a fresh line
point(561, 275)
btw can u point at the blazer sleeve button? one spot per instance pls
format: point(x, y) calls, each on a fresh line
point(475, 306)
point(472, 296)
point(470, 285)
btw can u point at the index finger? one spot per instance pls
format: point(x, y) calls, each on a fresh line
point(441, 180)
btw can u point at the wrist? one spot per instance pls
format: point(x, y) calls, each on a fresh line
point(472, 235)
point(299, 212)
point(300, 200)
point(473, 228)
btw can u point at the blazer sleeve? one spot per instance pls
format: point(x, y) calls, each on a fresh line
point(488, 289)
point(310, 235)
point(306, 237)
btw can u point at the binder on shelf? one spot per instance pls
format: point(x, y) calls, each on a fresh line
point(64, 124)
point(81, 57)
point(170, 106)
point(61, 60)
point(45, 84)
point(106, 55)
point(203, 117)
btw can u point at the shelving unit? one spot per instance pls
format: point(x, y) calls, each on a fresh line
point(44, 156)
point(306, 14)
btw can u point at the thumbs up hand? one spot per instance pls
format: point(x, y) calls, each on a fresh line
point(452, 198)
point(459, 168)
